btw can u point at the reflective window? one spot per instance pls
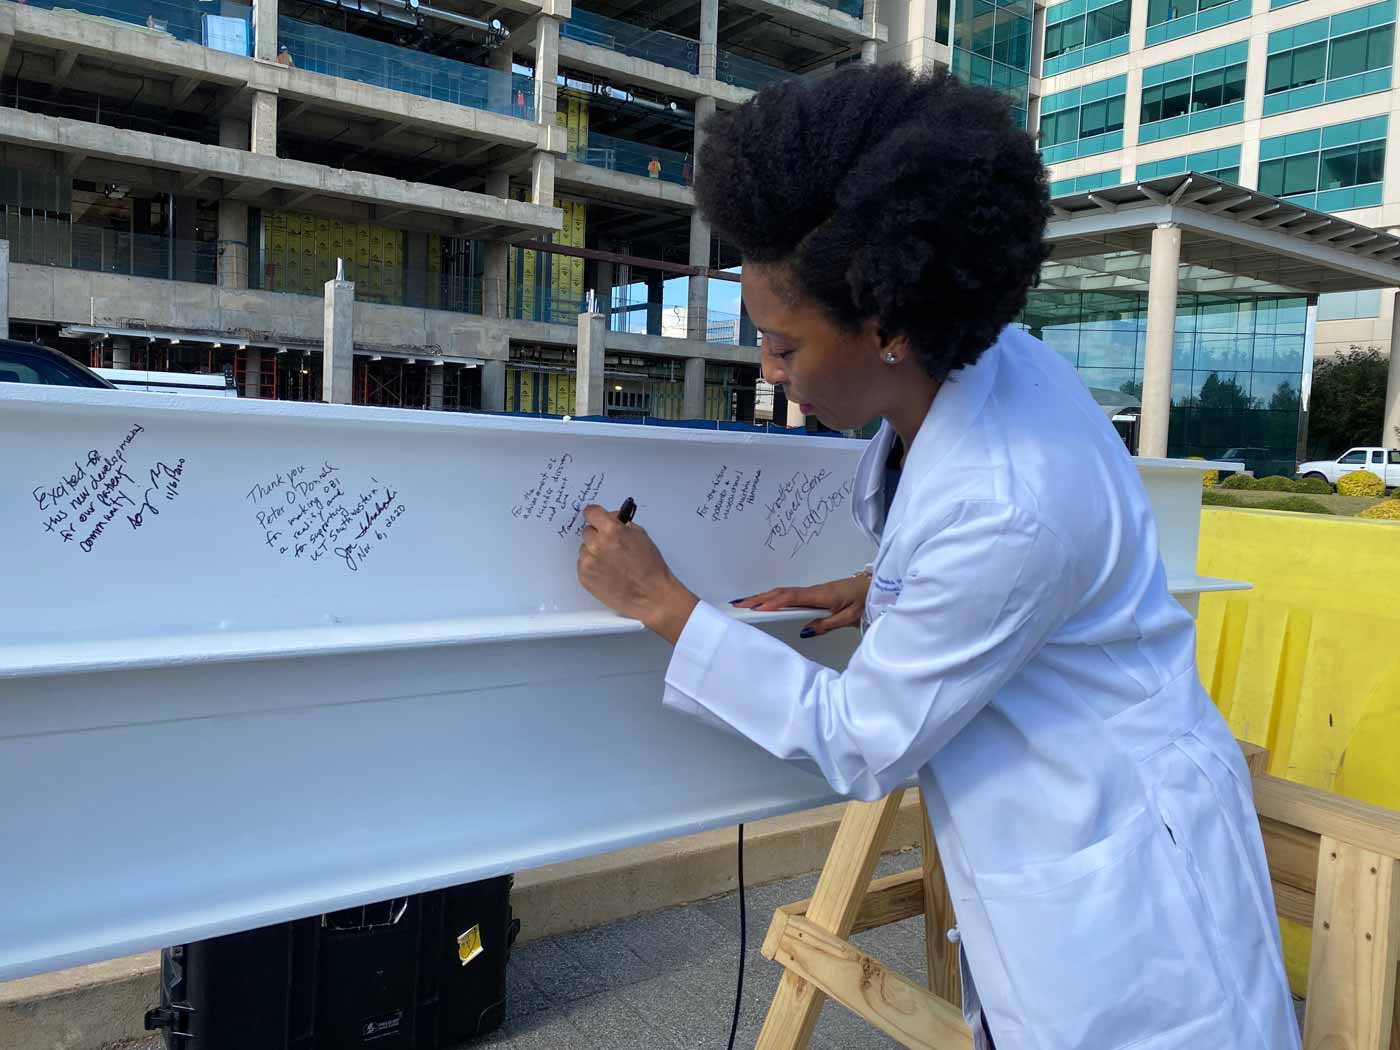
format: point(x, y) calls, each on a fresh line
point(1237, 368)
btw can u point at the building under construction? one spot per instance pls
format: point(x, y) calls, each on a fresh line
point(181, 177)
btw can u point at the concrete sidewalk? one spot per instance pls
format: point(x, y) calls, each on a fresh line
point(102, 1004)
point(666, 981)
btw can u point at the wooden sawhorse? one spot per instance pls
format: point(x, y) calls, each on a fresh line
point(1335, 864)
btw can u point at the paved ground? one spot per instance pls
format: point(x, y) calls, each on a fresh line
point(666, 981)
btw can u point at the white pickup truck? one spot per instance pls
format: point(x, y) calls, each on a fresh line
point(1382, 462)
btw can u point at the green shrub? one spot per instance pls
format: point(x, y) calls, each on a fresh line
point(1220, 499)
point(1297, 504)
point(1313, 486)
point(1360, 483)
point(1237, 481)
point(1274, 483)
point(1386, 510)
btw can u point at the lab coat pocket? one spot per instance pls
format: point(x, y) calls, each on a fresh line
point(1102, 947)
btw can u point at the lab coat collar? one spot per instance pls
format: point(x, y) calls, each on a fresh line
point(956, 405)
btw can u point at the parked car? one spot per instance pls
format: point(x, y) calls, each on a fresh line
point(31, 363)
point(1252, 458)
point(1382, 462)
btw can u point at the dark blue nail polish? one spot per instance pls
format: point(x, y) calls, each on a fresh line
point(807, 632)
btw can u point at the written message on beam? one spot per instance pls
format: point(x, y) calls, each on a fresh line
point(265, 660)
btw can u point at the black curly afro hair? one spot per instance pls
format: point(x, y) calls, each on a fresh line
point(911, 199)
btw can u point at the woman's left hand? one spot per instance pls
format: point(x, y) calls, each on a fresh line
point(620, 566)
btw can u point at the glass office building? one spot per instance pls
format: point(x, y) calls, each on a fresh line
point(1238, 371)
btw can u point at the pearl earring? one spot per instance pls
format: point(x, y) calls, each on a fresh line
point(890, 358)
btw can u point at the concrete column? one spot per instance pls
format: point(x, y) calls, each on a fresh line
point(496, 271)
point(121, 352)
point(4, 289)
point(1161, 334)
point(590, 395)
point(1390, 430)
point(493, 386)
point(542, 178)
point(656, 290)
point(338, 343)
point(795, 418)
point(264, 129)
point(694, 404)
point(233, 244)
point(546, 69)
point(265, 30)
point(436, 371)
point(252, 373)
point(869, 18)
point(602, 289)
point(748, 331)
point(501, 94)
point(709, 40)
point(698, 313)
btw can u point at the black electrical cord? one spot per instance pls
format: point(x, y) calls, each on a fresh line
point(743, 943)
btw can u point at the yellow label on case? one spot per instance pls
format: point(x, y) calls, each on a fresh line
point(469, 945)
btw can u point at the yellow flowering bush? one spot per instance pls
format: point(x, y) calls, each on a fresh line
point(1360, 483)
point(1386, 510)
point(1209, 478)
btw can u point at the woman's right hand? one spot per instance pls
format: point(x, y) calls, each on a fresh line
point(844, 600)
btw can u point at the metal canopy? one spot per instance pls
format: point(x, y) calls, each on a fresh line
point(1234, 241)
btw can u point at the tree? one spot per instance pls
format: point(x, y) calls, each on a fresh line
point(1284, 398)
point(1348, 401)
point(1223, 395)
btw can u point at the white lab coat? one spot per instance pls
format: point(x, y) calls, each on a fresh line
point(1024, 658)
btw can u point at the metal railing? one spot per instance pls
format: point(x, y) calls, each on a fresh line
point(223, 27)
point(613, 154)
point(45, 241)
point(654, 45)
point(746, 73)
point(321, 49)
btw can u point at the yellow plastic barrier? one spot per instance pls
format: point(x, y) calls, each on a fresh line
point(1307, 663)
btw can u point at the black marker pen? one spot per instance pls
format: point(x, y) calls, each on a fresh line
point(629, 508)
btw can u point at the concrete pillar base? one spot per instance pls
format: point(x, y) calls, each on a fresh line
point(252, 373)
point(234, 261)
point(542, 178)
point(590, 391)
point(338, 344)
point(694, 405)
point(493, 386)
